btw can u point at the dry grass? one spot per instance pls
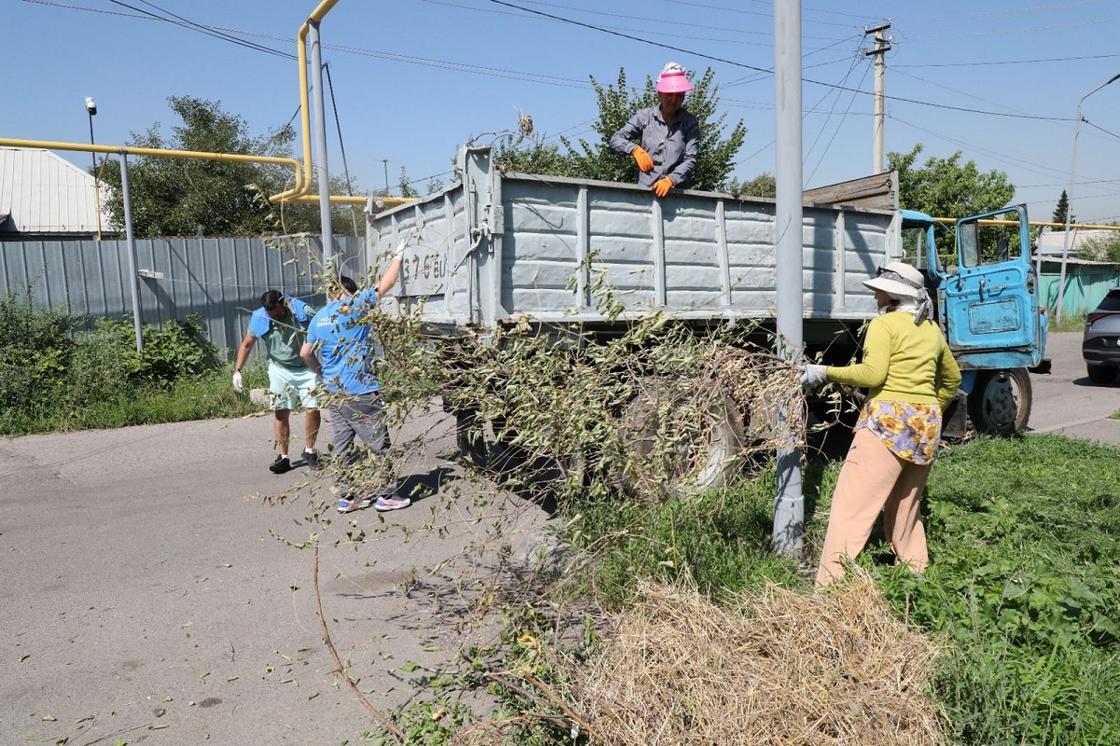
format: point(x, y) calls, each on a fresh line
point(792, 668)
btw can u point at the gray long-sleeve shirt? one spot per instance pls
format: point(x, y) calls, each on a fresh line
point(673, 149)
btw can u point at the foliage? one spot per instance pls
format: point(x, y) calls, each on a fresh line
point(943, 187)
point(37, 354)
point(186, 197)
point(405, 186)
point(617, 103)
point(1062, 209)
point(763, 185)
point(1102, 248)
point(1024, 587)
point(60, 378)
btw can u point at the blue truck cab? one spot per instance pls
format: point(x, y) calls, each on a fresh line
point(985, 293)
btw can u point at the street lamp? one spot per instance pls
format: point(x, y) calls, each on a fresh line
point(1069, 197)
point(91, 109)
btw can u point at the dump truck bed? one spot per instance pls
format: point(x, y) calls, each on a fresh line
point(495, 247)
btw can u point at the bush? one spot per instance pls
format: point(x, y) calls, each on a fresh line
point(54, 377)
point(37, 353)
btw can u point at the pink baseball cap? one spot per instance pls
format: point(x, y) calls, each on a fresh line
point(673, 80)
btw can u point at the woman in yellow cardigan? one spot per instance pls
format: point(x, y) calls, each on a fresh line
point(911, 377)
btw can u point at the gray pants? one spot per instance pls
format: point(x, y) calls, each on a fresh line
point(361, 417)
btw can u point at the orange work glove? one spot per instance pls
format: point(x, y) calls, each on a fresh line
point(662, 186)
point(641, 157)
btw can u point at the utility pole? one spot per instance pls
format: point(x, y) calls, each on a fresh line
point(385, 163)
point(789, 502)
point(882, 46)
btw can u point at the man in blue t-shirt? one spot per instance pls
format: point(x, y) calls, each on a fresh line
point(345, 361)
point(281, 323)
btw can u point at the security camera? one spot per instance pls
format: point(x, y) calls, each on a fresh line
point(91, 107)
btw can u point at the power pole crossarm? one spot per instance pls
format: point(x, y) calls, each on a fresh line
point(882, 46)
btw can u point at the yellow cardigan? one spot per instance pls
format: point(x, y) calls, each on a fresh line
point(903, 362)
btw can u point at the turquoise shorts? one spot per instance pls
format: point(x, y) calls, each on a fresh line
point(288, 387)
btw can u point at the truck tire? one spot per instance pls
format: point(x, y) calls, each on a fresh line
point(470, 437)
point(1102, 374)
point(710, 464)
point(1000, 403)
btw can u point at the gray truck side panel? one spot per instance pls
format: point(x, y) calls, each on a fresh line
point(694, 255)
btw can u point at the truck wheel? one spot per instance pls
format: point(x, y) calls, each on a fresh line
point(1101, 373)
point(693, 467)
point(1000, 404)
point(470, 437)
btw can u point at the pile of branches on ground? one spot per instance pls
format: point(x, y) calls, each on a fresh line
point(787, 668)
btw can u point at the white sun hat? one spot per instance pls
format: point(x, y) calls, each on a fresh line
point(899, 280)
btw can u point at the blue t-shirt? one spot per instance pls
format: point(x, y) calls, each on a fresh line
point(344, 344)
point(283, 338)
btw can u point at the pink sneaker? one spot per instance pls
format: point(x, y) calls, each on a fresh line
point(384, 504)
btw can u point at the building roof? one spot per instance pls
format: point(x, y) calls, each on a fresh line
point(45, 194)
point(1050, 242)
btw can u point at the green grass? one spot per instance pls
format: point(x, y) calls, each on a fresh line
point(1068, 324)
point(206, 396)
point(1115, 415)
point(1023, 588)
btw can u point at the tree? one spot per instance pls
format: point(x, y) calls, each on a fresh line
point(763, 185)
point(185, 197)
point(1061, 210)
point(943, 187)
point(595, 160)
point(405, 186)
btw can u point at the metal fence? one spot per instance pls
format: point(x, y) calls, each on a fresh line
point(1086, 286)
point(220, 279)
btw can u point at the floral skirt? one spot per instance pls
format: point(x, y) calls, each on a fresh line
point(910, 431)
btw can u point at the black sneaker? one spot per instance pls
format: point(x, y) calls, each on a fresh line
point(313, 461)
point(281, 465)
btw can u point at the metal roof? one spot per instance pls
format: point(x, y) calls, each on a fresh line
point(43, 193)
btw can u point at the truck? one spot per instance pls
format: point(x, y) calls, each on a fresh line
point(495, 249)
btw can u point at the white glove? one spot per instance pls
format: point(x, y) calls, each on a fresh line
point(813, 377)
point(399, 254)
point(237, 384)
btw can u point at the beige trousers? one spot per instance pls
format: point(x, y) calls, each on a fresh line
point(871, 480)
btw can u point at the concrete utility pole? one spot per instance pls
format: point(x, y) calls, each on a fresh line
point(385, 163)
point(882, 46)
point(789, 503)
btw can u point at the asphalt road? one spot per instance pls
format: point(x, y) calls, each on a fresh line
point(146, 597)
point(1067, 402)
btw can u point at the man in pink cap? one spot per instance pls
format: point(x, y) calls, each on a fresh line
point(668, 135)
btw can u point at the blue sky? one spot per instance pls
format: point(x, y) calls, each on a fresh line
point(416, 77)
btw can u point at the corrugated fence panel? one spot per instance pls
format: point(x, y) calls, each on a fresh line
point(220, 279)
point(1086, 286)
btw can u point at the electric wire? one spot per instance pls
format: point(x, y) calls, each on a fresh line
point(726, 61)
point(341, 144)
point(1102, 129)
point(835, 132)
point(1009, 62)
point(831, 109)
point(205, 30)
point(202, 30)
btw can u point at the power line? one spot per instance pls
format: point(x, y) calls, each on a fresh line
point(449, 4)
point(920, 79)
point(1037, 168)
point(840, 124)
point(190, 25)
point(1102, 129)
point(709, 6)
point(205, 30)
point(1012, 62)
point(668, 21)
point(725, 61)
